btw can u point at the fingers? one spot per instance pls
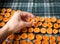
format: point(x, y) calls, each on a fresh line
point(23, 15)
point(28, 24)
point(28, 14)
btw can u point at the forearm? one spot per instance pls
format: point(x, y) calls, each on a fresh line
point(4, 32)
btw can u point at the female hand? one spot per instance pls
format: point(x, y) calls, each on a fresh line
point(19, 20)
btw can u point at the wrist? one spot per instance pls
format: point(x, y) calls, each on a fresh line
point(7, 29)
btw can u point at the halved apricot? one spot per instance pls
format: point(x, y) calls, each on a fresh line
point(24, 36)
point(42, 19)
point(6, 19)
point(7, 14)
point(11, 37)
point(45, 37)
point(2, 23)
point(49, 30)
point(36, 30)
point(52, 42)
point(53, 19)
point(59, 25)
point(30, 30)
point(43, 30)
point(45, 42)
point(29, 19)
point(12, 12)
point(58, 42)
point(4, 42)
point(58, 21)
point(52, 38)
point(55, 31)
point(29, 42)
point(47, 19)
point(24, 29)
point(2, 14)
point(38, 37)
point(9, 42)
point(1, 17)
point(39, 23)
point(56, 25)
point(58, 38)
point(59, 30)
point(30, 36)
point(50, 24)
point(44, 24)
point(16, 42)
point(37, 42)
point(3, 10)
point(9, 10)
point(17, 37)
point(23, 42)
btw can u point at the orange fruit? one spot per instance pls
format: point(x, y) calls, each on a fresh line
point(53, 19)
point(11, 37)
point(55, 31)
point(52, 42)
point(23, 42)
point(56, 25)
point(7, 14)
point(58, 42)
point(59, 25)
point(47, 19)
point(10, 42)
point(16, 42)
point(37, 42)
point(42, 19)
point(12, 12)
point(30, 36)
point(52, 38)
point(39, 23)
point(58, 38)
point(9, 10)
point(29, 42)
point(36, 30)
point(44, 24)
point(3, 10)
point(29, 19)
point(24, 36)
point(49, 30)
point(5, 19)
point(58, 21)
point(17, 37)
point(2, 23)
point(24, 29)
point(38, 37)
point(37, 18)
point(2, 14)
point(30, 30)
point(59, 30)
point(45, 37)
point(1, 17)
point(4, 42)
point(35, 24)
point(50, 24)
point(43, 30)
point(45, 42)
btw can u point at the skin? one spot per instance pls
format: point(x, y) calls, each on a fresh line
point(17, 22)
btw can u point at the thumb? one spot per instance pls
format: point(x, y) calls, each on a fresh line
point(17, 15)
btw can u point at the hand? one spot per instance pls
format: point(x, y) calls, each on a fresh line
point(19, 20)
